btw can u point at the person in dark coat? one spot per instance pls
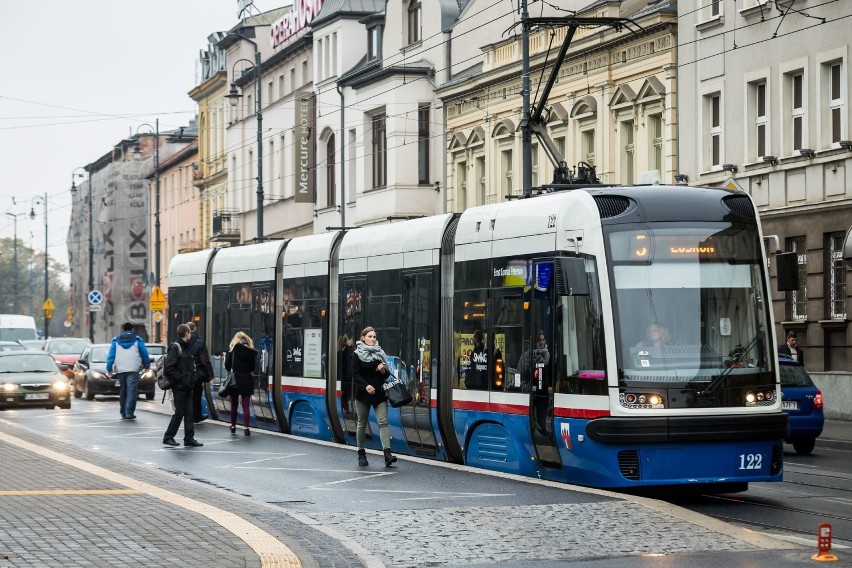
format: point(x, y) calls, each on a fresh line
point(791, 348)
point(179, 368)
point(203, 370)
point(241, 359)
point(369, 371)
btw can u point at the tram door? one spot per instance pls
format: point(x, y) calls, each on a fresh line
point(415, 369)
point(352, 316)
point(541, 364)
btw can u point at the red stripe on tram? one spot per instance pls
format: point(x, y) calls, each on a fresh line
point(491, 407)
point(579, 413)
point(302, 390)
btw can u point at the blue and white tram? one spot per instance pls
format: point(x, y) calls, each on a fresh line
point(612, 336)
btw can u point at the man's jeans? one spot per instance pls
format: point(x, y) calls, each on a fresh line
point(128, 394)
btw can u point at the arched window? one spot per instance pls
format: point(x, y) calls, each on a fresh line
point(329, 171)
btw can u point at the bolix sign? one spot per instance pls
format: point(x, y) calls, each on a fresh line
point(302, 13)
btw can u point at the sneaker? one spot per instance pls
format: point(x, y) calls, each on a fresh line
point(131, 417)
point(170, 442)
point(191, 443)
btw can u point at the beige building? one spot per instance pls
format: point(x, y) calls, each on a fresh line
point(180, 216)
point(765, 97)
point(211, 168)
point(613, 105)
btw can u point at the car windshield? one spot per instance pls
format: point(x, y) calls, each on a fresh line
point(69, 346)
point(11, 347)
point(794, 376)
point(156, 350)
point(99, 355)
point(34, 363)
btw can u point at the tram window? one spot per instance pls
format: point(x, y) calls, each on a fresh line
point(304, 300)
point(581, 364)
point(507, 347)
point(470, 349)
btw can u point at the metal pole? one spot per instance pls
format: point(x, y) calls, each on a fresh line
point(91, 263)
point(342, 163)
point(259, 148)
point(526, 132)
point(157, 217)
point(46, 289)
point(15, 259)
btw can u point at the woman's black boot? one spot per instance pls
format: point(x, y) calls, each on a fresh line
point(362, 458)
point(389, 458)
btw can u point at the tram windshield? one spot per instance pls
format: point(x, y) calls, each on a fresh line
point(691, 315)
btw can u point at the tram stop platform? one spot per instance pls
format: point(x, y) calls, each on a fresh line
point(67, 505)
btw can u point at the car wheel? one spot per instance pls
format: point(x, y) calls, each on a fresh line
point(804, 446)
point(87, 392)
point(149, 396)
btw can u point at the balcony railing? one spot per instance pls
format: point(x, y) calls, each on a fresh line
point(226, 226)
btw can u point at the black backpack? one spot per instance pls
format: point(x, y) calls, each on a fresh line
point(162, 380)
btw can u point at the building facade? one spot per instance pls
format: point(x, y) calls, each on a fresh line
point(211, 168)
point(766, 86)
point(612, 107)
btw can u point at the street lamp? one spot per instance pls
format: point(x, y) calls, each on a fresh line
point(74, 174)
point(234, 97)
point(43, 199)
point(156, 209)
point(15, 216)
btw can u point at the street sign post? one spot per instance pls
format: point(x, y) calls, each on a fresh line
point(157, 301)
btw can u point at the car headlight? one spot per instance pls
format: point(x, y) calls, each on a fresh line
point(60, 385)
point(148, 374)
point(8, 387)
point(99, 376)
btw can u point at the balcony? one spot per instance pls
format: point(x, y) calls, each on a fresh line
point(189, 246)
point(226, 226)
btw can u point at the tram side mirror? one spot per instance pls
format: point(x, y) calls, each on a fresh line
point(787, 269)
point(571, 277)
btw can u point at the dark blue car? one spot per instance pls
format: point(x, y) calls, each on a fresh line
point(802, 400)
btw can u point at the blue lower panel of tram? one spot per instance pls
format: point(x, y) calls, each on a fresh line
point(495, 440)
point(306, 412)
point(587, 462)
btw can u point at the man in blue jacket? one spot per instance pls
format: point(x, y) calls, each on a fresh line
point(127, 358)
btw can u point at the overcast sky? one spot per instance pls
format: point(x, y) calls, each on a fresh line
point(78, 76)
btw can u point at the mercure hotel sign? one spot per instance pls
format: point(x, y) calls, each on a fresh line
point(294, 21)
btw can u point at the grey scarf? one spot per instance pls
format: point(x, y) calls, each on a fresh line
point(369, 353)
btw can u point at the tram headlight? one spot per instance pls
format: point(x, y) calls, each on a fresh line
point(646, 400)
point(654, 399)
point(751, 398)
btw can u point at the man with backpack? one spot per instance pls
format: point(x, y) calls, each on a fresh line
point(179, 369)
point(127, 357)
point(203, 370)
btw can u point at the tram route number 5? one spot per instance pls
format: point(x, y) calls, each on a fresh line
point(751, 461)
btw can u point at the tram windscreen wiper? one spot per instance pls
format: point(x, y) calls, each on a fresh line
point(717, 382)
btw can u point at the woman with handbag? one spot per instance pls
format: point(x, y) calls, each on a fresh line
point(369, 370)
point(240, 360)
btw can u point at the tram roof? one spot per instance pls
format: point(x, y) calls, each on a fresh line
point(395, 245)
point(248, 263)
point(190, 268)
point(308, 255)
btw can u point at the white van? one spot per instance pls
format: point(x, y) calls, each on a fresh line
point(14, 327)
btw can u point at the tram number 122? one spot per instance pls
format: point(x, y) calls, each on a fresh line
point(751, 461)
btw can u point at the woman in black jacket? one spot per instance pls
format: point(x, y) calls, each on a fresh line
point(369, 370)
point(241, 359)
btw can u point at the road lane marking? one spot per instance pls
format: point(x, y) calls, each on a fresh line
point(71, 492)
point(272, 552)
